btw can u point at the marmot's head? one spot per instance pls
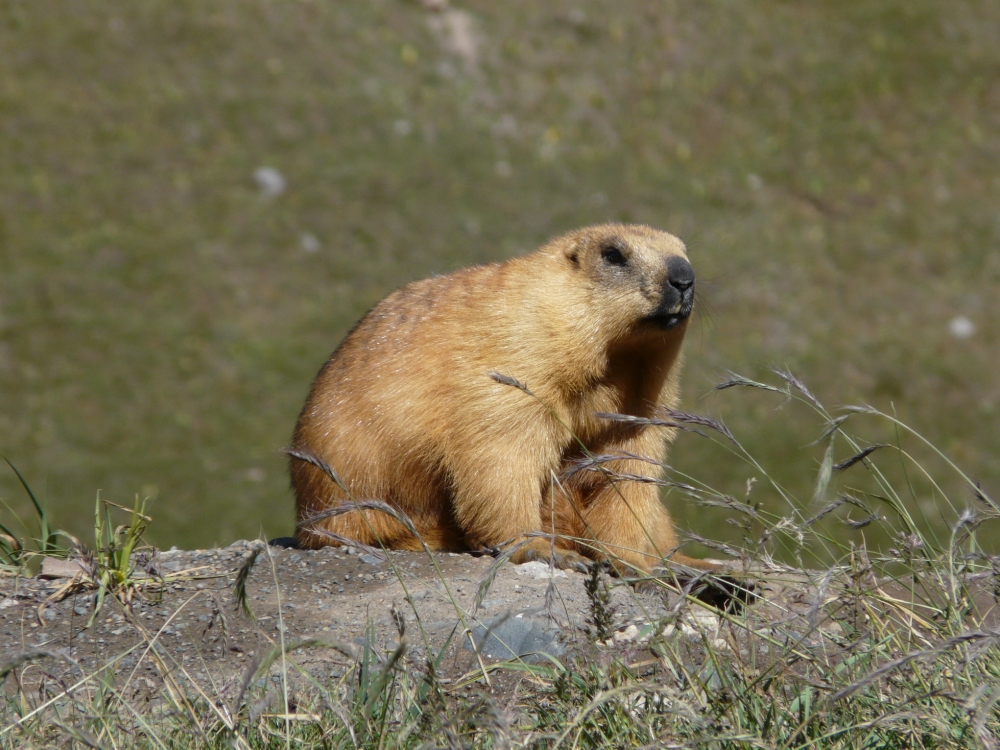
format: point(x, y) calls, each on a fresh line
point(639, 278)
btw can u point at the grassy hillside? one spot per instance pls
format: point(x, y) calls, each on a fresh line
point(831, 166)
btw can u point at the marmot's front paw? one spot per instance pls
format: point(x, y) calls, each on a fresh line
point(541, 550)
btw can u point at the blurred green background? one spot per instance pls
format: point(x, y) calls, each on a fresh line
point(165, 303)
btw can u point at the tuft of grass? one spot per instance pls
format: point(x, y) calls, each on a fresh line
point(14, 552)
point(118, 565)
point(114, 560)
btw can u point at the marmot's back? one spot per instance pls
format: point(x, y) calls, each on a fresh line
point(382, 376)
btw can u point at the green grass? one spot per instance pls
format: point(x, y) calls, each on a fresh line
point(830, 165)
point(15, 551)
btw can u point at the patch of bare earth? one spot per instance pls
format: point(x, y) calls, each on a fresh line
point(185, 633)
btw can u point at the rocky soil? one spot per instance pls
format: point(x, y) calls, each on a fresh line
point(182, 629)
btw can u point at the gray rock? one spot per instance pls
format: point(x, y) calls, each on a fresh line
point(523, 635)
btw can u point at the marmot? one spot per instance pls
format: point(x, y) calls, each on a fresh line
point(412, 408)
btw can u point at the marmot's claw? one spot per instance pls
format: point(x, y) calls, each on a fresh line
point(647, 586)
point(569, 560)
point(580, 567)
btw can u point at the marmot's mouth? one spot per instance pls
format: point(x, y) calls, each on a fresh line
point(666, 320)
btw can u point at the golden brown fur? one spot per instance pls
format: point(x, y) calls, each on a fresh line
point(405, 411)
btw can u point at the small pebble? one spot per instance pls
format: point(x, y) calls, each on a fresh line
point(961, 327)
point(270, 181)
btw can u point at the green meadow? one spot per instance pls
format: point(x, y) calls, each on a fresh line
point(164, 303)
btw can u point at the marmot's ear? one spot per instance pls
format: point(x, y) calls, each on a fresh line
point(572, 252)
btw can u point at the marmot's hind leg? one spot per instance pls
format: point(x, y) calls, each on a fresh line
point(326, 515)
point(372, 527)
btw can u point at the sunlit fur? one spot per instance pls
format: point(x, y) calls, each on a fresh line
point(405, 410)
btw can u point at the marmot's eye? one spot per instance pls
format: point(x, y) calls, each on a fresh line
point(613, 256)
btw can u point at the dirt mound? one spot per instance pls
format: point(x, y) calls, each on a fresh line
point(184, 628)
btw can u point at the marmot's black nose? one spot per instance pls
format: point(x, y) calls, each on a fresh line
point(680, 274)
